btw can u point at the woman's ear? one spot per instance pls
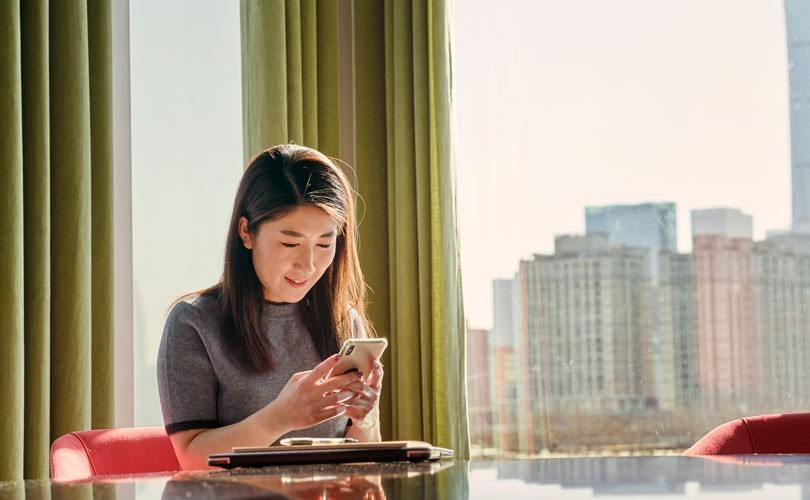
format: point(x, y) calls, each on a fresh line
point(244, 233)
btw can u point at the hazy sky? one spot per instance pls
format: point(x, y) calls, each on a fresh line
point(560, 105)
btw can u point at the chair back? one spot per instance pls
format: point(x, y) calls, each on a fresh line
point(769, 434)
point(102, 452)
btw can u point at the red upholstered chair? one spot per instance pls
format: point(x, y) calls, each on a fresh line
point(101, 452)
point(786, 433)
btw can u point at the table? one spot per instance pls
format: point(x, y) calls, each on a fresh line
point(745, 476)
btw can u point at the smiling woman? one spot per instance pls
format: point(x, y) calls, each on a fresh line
point(291, 254)
point(242, 363)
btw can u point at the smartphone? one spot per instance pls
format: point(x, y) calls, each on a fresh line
point(358, 355)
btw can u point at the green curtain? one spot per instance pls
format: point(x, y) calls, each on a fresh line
point(401, 119)
point(56, 313)
point(289, 75)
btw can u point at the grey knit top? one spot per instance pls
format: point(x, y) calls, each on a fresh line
point(201, 384)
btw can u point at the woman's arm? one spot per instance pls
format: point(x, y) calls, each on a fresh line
point(306, 400)
point(192, 447)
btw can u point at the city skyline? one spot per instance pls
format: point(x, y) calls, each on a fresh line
point(733, 337)
point(573, 111)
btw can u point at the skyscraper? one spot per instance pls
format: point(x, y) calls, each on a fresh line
point(589, 312)
point(680, 373)
point(503, 387)
point(504, 303)
point(797, 20)
point(782, 277)
point(649, 225)
point(727, 222)
point(479, 403)
point(729, 342)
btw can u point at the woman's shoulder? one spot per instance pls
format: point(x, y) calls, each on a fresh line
point(195, 307)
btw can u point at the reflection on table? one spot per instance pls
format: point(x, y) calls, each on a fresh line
point(749, 476)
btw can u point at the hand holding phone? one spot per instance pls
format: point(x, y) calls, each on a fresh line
point(358, 355)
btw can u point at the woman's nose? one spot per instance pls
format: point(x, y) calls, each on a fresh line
point(306, 259)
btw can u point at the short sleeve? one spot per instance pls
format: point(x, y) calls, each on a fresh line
point(186, 380)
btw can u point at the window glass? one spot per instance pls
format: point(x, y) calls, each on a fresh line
point(633, 272)
point(186, 162)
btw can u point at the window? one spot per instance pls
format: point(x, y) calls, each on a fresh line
point(644, 141)
point(186, 163)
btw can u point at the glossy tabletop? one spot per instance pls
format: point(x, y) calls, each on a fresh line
point(750, 476)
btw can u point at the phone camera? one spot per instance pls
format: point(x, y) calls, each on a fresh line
point(349, 350)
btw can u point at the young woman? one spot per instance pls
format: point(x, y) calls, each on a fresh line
point(243, 362)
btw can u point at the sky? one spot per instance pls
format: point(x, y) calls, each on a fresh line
point(560, 105)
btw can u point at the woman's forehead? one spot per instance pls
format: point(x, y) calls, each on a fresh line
point(304, 220)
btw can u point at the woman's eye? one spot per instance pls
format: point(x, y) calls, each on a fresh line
point(325, 245)
point(289, 245)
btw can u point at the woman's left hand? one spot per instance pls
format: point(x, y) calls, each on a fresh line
point(366, 394)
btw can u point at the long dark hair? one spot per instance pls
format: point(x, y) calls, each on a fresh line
point(276, 181)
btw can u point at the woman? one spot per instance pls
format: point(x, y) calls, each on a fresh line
point(243, 363)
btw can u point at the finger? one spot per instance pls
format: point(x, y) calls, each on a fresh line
point(337, 398)
point(331, 412)
point(323, 368)
point(377, 374)
point(364, 396)
point(364, 405)
point(340, 381)
point(298, 376)
point(357, 386)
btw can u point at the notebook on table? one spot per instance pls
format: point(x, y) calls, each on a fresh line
point(385, 451)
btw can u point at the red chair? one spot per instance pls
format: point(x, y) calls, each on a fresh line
point(102, 452)
point(786, 433)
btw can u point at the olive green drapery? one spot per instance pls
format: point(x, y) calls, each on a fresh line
point(401, 87)
point(56, 221)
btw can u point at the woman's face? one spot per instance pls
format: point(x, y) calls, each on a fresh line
point(290, 254)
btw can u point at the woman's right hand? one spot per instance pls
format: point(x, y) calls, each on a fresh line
point(307, 400)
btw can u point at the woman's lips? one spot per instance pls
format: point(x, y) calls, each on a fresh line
point(296, 284)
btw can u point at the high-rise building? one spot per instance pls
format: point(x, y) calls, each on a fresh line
point(504, 384)
point(528, 443)
point(648, 225)
point(589, 322)
point(652, 226)
point(728, 222)
point(680, 373)
point(797, 20)
point(478, 393)
point(730, 367)
point(504, 303)
point(728, 336)
point(782, 277)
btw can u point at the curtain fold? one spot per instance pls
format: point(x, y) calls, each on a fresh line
point(401, 118)
point(56, 203)
point(290, 74)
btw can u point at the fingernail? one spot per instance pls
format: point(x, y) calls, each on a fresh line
point(376, 364)
point(359, 374)
point(336, 357)
point(344, 395)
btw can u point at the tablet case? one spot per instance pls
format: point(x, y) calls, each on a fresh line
point(385, 451)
